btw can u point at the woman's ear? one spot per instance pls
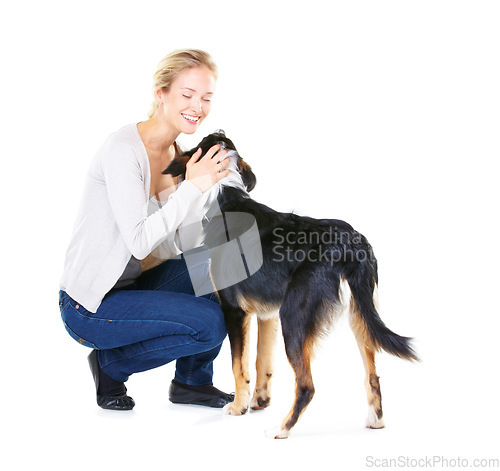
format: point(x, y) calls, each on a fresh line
point(158, 95)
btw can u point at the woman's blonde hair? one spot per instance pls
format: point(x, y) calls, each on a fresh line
point(174, 63)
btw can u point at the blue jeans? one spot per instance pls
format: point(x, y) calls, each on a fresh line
point(151, 322)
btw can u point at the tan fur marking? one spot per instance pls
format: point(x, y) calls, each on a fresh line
point(241, 375)
point(303, 382)
point(372, 384)
point(358, 326)
point(262, 310)
point(265, 362)
point(376, 396)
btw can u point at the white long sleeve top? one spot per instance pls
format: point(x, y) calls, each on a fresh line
point(113, 223)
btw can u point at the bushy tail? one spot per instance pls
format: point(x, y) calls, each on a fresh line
point(367, 321)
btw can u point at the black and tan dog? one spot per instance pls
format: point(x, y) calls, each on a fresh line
point(311, 269)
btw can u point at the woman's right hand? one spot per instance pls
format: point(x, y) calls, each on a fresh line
point(208, 170)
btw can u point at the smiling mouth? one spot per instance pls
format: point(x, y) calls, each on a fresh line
point(191, 119)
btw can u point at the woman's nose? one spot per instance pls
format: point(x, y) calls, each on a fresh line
point(197, 105)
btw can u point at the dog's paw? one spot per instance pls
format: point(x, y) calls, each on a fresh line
point(234, 409)
point(277, 432)
point(259, 402)
point(372, 421)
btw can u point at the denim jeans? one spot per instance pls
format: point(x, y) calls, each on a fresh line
point(151, 322)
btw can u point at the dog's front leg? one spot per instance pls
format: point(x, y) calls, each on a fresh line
point(238, 328)
point(264, 364)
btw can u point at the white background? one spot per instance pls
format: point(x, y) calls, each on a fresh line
point(382, 113)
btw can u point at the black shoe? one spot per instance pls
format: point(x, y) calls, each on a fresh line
point(206, 395)
point(117, 398)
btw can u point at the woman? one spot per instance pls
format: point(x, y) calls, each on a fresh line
point(137, 320)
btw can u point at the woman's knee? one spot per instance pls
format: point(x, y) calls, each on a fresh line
point(213, 330)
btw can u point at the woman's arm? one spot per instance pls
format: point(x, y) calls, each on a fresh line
point(125, 187)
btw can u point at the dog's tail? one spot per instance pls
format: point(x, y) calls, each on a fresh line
point(365, 319)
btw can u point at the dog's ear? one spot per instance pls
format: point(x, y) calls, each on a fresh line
point(248, 177)
point(177, 166)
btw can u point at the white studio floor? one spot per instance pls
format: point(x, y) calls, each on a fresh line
point(427, 417)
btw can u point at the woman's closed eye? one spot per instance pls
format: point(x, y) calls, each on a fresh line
point(208, 100)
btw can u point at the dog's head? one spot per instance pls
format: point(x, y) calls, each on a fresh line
point(240, 173)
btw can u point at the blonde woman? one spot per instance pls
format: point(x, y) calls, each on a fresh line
point(136, 320)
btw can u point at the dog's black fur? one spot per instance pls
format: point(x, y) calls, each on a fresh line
point(305, 289)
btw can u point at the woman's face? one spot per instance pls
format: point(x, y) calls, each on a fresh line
point(187, 102)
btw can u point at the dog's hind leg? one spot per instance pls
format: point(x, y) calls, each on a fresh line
point(299, 355)
point(264, 364)
point(372, 384)
point(302, 316)
point(238, 328)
